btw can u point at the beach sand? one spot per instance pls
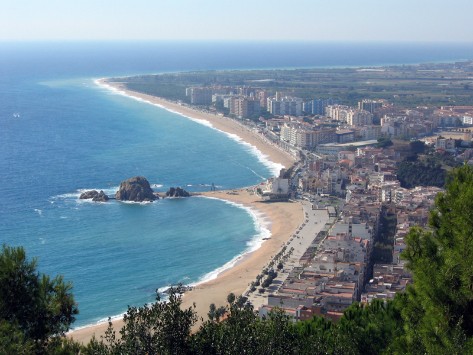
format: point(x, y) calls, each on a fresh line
point(284, 218)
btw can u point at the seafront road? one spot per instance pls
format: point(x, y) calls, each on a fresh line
point(305, 235)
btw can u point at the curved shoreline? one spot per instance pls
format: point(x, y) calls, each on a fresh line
point(284, 218)
point(232, 128)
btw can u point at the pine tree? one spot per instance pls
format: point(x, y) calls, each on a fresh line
point(439, 306)
point(35, 310)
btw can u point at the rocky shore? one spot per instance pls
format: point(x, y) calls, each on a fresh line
point(135, 189)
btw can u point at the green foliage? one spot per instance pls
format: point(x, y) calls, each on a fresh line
point(19, 286)
point(403, 86)
point(160, 328)
point(62, 346)
point(243, 332)
point(371, 329)
point(216, 313)
point(384, 143)
point(417, 147)
point(231, 298)
point(277, 334)
point(34, 309)
point(368, 329)
point(13, 341)
point(418, 173)
point(439, 306)
point(236, 334)
point(319, 336)
point(446, 159)
point(363, 329)
point(166, 86)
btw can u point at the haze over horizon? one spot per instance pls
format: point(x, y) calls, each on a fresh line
point(303, 20)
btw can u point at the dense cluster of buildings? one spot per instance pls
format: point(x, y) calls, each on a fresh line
point(332, 275)
point(241, 102)
point(341, 157)
point(246, 102)
point(324, 126)
point(412, 208)
point(338, 268)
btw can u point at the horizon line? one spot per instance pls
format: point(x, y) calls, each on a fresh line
point(229, 41)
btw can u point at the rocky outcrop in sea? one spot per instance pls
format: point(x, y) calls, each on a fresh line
point(135, 189)
point(94, 195)
point(177, 192)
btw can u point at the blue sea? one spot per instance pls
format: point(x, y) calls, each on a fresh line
point(60, 134)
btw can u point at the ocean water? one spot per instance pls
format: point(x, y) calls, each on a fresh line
point(60, 133)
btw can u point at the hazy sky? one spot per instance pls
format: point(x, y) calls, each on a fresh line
point(322, 20)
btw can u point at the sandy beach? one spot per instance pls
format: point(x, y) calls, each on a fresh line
point(284, 217)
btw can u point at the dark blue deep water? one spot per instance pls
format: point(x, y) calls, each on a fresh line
point(60, 133)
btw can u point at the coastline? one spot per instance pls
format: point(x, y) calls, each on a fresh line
point(284, 218)
point(228, 126)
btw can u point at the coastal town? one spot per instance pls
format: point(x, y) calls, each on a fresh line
point(205, 178)
point(356, 178)
point(346, 177)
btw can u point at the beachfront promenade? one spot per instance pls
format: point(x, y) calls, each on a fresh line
point(304, 237)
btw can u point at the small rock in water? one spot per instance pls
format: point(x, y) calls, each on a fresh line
point(94, 195)
point(177, 192)
point(101, 197)
point(88, 195)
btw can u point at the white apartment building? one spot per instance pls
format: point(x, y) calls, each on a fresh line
point(243, 107)
point(370, 105)
point(369, 132)
point(306, 138)
point(337, 112)
point(359, 118)
point(285, 106)
point(277, 186)
point(199, 95)
point(467, 120)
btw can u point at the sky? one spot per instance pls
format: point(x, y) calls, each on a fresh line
point(296, 20)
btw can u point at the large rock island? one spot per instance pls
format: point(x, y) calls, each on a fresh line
point(135, 189)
